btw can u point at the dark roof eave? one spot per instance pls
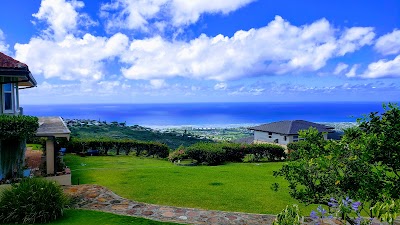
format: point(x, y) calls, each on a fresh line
point(252, 128)
point(19, 73)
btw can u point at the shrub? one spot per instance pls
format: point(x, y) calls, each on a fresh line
point(234, 152)
point(32, 201)
point(217, 153)
point(270, 151)
point(289, 216)
point(104, 145)
point(178, 154)
point(212, 154)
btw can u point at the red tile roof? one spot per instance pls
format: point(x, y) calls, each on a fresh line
point(8, 62)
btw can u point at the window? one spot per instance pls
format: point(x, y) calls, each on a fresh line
point(285, 138)
point(8, 98)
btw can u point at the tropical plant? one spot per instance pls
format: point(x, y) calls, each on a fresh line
point(386, 211)
point(289, 216)
point(364, 165)
point(33, 200)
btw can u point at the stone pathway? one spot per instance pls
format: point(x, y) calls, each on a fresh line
point(96, 197)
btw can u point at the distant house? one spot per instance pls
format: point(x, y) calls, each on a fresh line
point(285, 132)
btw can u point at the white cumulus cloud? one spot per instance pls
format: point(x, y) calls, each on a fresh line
point(3, 45)
point(276, 48)
point(355, 37)
point(140, 13)
point(383, 68)
point(389, 44)
point(187, 12)
point(220, 86)
point(353, 71)
point(60, 52)
point(158, 83)
point(61, 17)
point(71, 58)
point(340, 68)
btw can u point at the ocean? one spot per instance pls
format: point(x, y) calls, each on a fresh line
point(209, 114)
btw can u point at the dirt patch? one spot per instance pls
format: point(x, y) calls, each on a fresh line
point(33, 158)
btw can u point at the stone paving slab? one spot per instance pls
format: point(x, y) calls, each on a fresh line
point(95, 197)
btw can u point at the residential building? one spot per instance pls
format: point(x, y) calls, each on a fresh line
point(285, 132)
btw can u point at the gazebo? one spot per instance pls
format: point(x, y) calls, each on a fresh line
point(52, 128)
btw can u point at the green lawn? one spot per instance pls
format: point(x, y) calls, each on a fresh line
point(242, 187)
point(35, 146)
point(78, 217)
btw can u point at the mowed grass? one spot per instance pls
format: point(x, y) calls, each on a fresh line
point(238, 187)
point(79, 217)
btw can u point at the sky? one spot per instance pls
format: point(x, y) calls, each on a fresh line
point(169, 51)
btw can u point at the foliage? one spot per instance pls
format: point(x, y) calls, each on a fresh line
point(13, 132)
point(172, 140)
point(212, 154)
point(126, 145)
point(364, 165)
point(33, 200)
point(178, 154)
point(217, 153)
point(289, 216)
point(386, 211)
point(17, 127)
point(271, 152)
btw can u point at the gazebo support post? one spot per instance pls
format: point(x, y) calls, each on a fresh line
point(50, 155)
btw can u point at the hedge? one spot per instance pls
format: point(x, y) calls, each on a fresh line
point(217, 153)
point(17, 127)
point(126, 145)
point(14, 130)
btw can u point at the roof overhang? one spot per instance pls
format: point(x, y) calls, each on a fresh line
point(52, 127)
point(22, 76)
point(329, 130)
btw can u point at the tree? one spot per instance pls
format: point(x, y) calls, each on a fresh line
point(364, 164)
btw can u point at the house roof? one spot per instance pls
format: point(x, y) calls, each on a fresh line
point(290, 127)
point(52, 127)
point(15, 71)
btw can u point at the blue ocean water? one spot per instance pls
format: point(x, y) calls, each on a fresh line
point(208, 114)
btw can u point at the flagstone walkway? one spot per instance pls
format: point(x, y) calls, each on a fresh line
point(96, 197)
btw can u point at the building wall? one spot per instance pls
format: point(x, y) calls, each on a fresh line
point(272, 137)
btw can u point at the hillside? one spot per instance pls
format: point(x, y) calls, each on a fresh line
point(120, 131)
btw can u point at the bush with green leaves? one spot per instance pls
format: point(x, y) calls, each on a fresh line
point(217, 153)
point(104, 145)
point(208, 153)
point(33, 200)
point(14, 130)
point(364, 164)
point(289, 216)
point(178, 154)
point(271, 152)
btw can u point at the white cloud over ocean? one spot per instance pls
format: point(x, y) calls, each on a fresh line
point(139, 43)
point(277, 48)
point(142, 14)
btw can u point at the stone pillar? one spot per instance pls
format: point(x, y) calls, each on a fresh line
point(50, 155)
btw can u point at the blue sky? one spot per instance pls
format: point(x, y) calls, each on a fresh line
point(151, 51)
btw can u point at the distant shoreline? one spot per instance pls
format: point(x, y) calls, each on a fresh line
point(336, 125)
